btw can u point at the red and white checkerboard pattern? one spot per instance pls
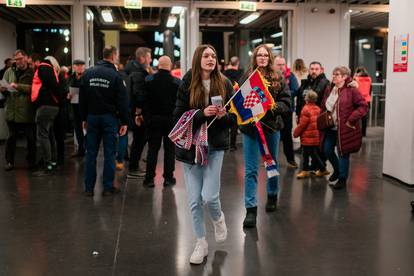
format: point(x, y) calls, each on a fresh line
point(251, 100)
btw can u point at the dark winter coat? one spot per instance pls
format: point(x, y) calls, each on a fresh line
point(307, 128)
point(318, 85)
point(218, 133)
point(159, 101)
point(351, 107)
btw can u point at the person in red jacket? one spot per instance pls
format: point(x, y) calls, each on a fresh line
point(347, 107)
point(309, 136)
point(364, 85)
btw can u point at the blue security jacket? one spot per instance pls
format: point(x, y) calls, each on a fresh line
point(103, 91)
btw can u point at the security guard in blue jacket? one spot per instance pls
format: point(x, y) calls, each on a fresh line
point(103, 102)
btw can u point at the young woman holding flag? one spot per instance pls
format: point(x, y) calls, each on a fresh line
point(271, 123)
point(203, 160)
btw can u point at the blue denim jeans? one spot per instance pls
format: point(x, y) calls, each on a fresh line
point(252, 157)
point(341, 164)
point(101, 127)
point(203, 186)
point(122, 147)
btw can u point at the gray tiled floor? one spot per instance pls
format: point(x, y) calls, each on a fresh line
point(47, 227)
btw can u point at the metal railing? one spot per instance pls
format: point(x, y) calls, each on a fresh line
point(377, 110)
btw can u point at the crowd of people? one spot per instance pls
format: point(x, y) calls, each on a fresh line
point(108, 101)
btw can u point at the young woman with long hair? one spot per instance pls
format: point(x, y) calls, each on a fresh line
point(202, 181)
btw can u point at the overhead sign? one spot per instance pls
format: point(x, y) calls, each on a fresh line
point(401, 44)
point(247, 6)
point(16, 3)
point(133, 4)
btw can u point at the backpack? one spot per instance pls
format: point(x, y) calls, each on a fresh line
point(37, 84)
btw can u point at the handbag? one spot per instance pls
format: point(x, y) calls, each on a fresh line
point(325, 121)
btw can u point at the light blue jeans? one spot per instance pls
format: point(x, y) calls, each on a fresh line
point(252, 156)
point(203, 186)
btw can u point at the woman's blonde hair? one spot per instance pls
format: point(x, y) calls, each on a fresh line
point(197, 90)
point(54, 63)
point(343, 70)
point(299, 66)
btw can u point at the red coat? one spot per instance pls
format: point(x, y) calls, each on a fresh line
point(365, 87)
point(351, 107)
point(307, 129)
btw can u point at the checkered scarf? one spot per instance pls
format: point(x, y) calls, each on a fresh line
point(182, 136)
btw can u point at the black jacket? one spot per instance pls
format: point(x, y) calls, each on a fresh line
point(234, 75)
point(159, 99)
point(135, 84)
point(318, 85)
point(103, 91)
point(218, 133)
point(272, 120)
point(50, 92)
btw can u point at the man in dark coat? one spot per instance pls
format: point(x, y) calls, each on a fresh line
point(160, 96)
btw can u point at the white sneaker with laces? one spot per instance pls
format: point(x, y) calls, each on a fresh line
point(220, 229)
point(200, 251)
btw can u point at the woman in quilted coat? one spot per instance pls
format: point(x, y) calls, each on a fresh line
point(309, 136)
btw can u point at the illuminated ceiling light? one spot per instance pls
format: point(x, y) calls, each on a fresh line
point(270, 45)
point(46, 49)
point(250, 18)
point(107, 15)
point(277, 35)
point(258, 40)
point(250, 53)
point(66, 32)
point(89, 15)
point(66, 50)
point(366, 46)
point(133, 4)
point(247, 6)
point(176, 10)
point(131, 26)
point(279, 47)
point(172, 20)
point(350, 11)
point(66, 38)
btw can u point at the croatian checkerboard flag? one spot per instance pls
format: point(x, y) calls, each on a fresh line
point(251, 100)
point(250, 103)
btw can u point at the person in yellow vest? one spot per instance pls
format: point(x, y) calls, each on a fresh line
point(19, 110)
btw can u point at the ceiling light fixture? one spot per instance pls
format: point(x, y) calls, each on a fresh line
point(176, 10)
point(279, 34)
point(131, 26)
point(250, 18)
point(107, 15)
point(133, 4)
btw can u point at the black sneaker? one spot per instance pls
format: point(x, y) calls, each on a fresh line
point(169, 182)
point(149, 183)
point(334, 177)
point(292, 164)
point(271, 203)
point(112, 191)
point(8, 167)
point(250, 219)
point(340, 184)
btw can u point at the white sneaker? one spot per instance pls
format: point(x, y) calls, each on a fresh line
point(200, 251)
point(220, 229)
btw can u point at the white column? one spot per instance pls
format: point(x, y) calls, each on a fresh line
point(193, 36)
point(322, 35)
point(183, 39)
point(398, 159)
point(78, 31)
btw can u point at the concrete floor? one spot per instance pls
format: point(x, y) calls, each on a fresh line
point(47, 227)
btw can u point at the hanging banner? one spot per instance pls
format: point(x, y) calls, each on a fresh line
point(401, 53)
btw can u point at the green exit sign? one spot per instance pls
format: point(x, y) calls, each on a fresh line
point(133, 4)
point(16, 3)
point(247, 6)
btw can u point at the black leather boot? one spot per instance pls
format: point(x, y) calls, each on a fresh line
point(271, 203)
point(340, 184)
point(250, 219)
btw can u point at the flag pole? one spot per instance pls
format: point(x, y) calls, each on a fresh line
point(228, 102)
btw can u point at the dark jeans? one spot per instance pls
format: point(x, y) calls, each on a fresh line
point(341, 164)
point(311, 152)
point(286, 138)
point(155, 136)
point(77, 121)
point(101, 127)
point(59, 131)
point(29, 133)
point(137, 146)
point(122, 148)
point(45, 115)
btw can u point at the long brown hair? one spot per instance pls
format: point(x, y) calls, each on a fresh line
point(197, 91)
point(268, 72)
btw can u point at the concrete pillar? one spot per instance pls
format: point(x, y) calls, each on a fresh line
point(244, 49)
point(193, 33)
point(183, 39)
point(399, 113)
point(78, 31)
point(321, 32)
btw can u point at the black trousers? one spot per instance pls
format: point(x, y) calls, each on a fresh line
point(138, 143)
point(364, 122)
point(311, 152)
point(155, 136)
point(29, 130)
point(59, 130)
point(77, 125)
point(286, 137)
